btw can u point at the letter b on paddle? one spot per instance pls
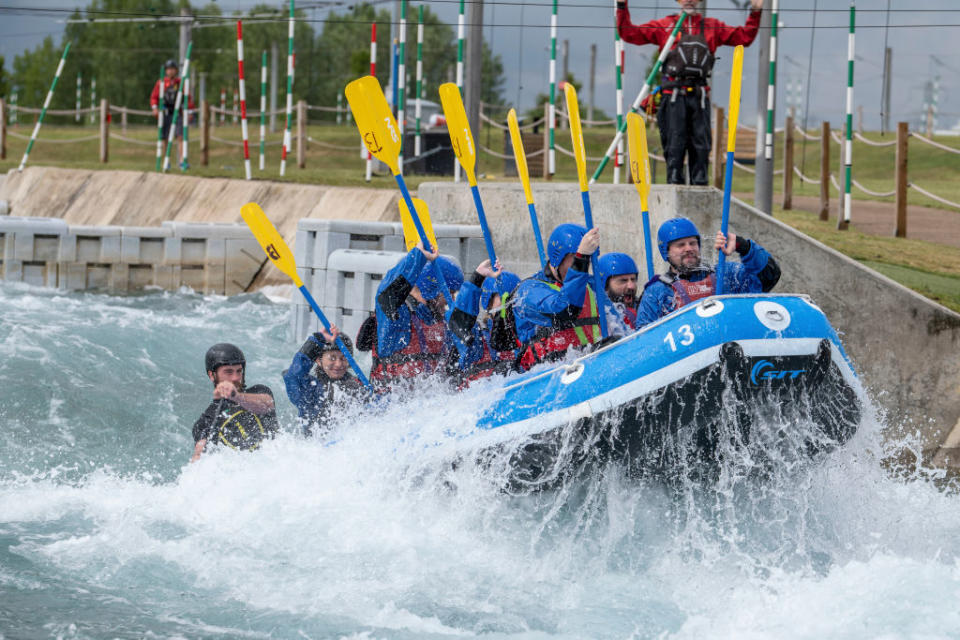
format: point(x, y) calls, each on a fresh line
point(272, 252)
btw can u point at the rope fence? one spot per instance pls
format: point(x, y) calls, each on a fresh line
point(934, 143)
point(874, 143)
point(933, 196)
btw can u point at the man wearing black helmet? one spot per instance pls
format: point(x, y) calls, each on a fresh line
point(165, 97)
point(319, 380)
point(239, 417)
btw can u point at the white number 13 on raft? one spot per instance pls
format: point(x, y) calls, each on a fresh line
point(684, 333)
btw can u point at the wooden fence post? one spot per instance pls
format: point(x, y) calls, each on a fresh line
point(546, 141)
point(104, 130)
point(302, 134)
point(903, 133)
point(825, 171)
point(788, 164)
point(3, 129)
point(205, 133)
point(718, 148)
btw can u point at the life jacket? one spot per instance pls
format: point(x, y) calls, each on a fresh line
point(685, 291)
point(629, 315)
point(556, 341)
point(339, 394)
point(426, 353)
point(689, 63)
point(241, 429)
point(170, 87)
point(492, 362)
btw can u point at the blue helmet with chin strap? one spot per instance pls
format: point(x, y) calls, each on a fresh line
point(675, 229)
point(616, 264)
point(564, 240)
point(508, 281)
point(429, 285)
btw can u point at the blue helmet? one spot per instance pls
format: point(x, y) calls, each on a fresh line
point(615, 264)
point(564, 239)
point(429, 285)
point(675, 229)
point(508, 281)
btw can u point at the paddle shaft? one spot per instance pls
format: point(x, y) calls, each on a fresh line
point(343, 348)
point(725, 218)
point(648, 248)
point(536, 234)
point(423, 236)
point(481, 214)
point(597, 278)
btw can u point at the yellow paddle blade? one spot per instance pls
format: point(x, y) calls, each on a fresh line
point(733, 109)
point(270, 239)
point(376, 123)
point(410, 234)
point(639, 157)
point(576, 134)
point(459, 127)
point(519, 155)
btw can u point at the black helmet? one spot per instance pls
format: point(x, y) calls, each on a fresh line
point(224, 353)
point(171, 63)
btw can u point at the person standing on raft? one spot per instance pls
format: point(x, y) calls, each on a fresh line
point(408, 333)
point(239, 417)
point(688, 279)
point(556, 309)
point(319, 380)
point(684, 112)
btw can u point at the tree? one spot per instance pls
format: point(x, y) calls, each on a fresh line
point(4, 85)
point(543, 98)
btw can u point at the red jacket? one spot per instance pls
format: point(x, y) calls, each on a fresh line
point(717, 33)
point(172, 84)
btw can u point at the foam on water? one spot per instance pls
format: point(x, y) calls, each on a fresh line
point(105, 531)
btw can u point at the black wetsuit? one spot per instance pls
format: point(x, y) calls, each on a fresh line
point(226, 422)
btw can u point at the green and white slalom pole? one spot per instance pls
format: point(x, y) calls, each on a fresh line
point(402, 78)
point(287, 133)
point(419, 96)
point(263, 107)
point(618, 71)
point(552, 111)
point(771, 85)
point(461, 26)
point(647, 87)
point(171, 134)
point(13, 105)
point(79, 96)
point(93, 100)
point(848, 143)
point(160, 110)
point(186, 123)
point(46, 104)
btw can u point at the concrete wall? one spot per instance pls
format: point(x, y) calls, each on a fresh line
point(906, 347)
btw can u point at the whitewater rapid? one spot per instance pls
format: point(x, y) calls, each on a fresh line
point(107, 532)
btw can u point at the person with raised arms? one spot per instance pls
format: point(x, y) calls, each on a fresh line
point(319, 380)
point(688, 278)
point(238, 417)
point(556, 309)
point(408, 334)
point(487, 345)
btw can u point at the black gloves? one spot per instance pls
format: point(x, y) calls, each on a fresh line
point(311, 348)
point(478, 279)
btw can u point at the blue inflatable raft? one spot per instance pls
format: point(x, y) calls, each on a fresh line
point(729, 373)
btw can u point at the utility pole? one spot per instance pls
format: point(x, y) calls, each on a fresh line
point(186, 28)
point(566, 61)
point(763, 183)
point(474, 64)
point(274, 82)
point(593, 78)
point(203, 88)
point(885, 98)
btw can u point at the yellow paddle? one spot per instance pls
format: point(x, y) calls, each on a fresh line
point(733, 109)
point(279, 253)
point(462, 140)
point(640, 170)
point(580, 155)
point(379, 132)
point(409, 229)
point(520, 157)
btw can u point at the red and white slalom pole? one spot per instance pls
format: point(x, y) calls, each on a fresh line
point(373, 71)
point(243, 101)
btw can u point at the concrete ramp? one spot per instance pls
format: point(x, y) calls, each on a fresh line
point(905, 347)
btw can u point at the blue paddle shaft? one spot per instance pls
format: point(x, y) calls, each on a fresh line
point(481, 214)
point(326, 324)
point(725, 218)
point(423, 237)
point(597, 278)
point(647, 244)
point(536, 234)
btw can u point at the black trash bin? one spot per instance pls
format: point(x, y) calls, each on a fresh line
point(436, 155)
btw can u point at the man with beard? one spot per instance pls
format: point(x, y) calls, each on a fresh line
point(688, 279)
point(239, 417)
point(411, 337)
point(619, 273)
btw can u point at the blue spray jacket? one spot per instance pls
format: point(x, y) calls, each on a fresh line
point(757, 272)
point(315, 396)
point(539, 308)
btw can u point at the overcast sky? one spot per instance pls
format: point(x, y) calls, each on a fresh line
point(914, 35)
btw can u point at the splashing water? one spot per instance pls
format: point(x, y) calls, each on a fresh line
point(105, 531)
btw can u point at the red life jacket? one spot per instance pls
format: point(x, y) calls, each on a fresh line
point(488, 365)
point(585, 330)
point(425, 353)
point(685, 292)
point(629, 316)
